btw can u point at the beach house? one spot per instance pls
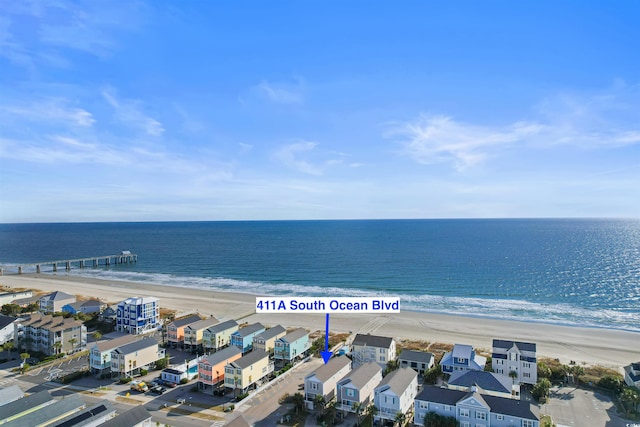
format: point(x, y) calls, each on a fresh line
point(632, 375)
point(193, 332)
point(487, 383)
point(246, 371)
point(211, 367)
point(243, 337)
point(100, 354)
point(130, 358)
point(266, 339)
point(138, 315)
point(291, 346)
point(516, 360)
point(462, 358)
point(419, 361)
point(218, 336)
point(357, 388)
point(138, 416)
point(6, 328)
point(175, 329)
point(54, 302)
point(50, 335)
point(471, 408)
point(322, 382)
point(396, 393)
point(85, 307)
point(372, 348)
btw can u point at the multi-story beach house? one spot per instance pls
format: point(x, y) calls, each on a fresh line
point(175, 329)
point(632, 375)
point(357, 388)
point(291, 346)
point(218, 336)
point(243, 337)
point(193, 332)
point(11, 297)
point(396, 393)
point(6, 328)
point(129, 359)
point(85, 307)
point(462, 358)
point(516, 360)
point(471, 408)
point(50, 335)
point(486, 382)
point(419, 361)
point(247, 370)
point(323, 381)
point(211, 367)
point(372, 348)
point(266, 339)
point(138, 315)
point(100, 354)
point(54, 302)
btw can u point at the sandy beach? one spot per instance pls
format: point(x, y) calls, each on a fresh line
point(608, 347)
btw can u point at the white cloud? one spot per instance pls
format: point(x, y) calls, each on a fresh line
point(51, 110)
point(290, 156)
point(129, 112)
point(282, 93)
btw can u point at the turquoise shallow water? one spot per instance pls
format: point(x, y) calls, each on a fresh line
point(584, 272)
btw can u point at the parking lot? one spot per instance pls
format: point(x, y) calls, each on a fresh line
point(571, 406)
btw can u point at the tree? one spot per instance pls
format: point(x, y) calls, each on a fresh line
point(541, 389)
point(10, 309)
point(513, 375)
point(433, 419)
point(357, 408)
point(319, 402)
point(543, 370)
point(371, 412)
point(57, 346)
point(630, 397)
point(298, 402)
point(8, 346)
point(399, 418)
point(97, 335)
point(23, 365)
point(73, 342)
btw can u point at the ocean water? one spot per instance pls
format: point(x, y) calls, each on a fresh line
point(577, 272)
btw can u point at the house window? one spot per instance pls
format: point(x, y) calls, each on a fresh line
point(382, 358)
point(382, 351)
point(526, 375)
point(513, 356)
point(464, 424)
point(351, 392)
point(424, 405)
point(499, 417)
point(527, 423)
point(464, 412)
point(481, 416)
point(314, 386)
point(448, 408)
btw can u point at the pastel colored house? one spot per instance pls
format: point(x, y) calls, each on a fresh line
point(419, 361)
point(291, 346)
point(632, 375)
point(372, 348)
point(396, 393)
point(486, 382)
point(358, 387)
point(138, 315)
point(243, 337)
point(54, 302)
point(323, 381)
point(462, 358)
point(266, 339)
point(85, 307)
point(471, 408)
point(193, 332)
point(100, 354)
point(247, 371)
point(218, 336)
point(129, 359)
point(175, 329)
point(211, 367)
point(50, 335)
point(516, 360)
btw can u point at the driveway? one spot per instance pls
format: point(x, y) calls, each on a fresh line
point(571, 406)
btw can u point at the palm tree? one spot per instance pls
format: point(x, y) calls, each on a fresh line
point(371, 412)
point(400, 418)
point(357, 408)
point(298, 402)
point(73, 342)
point(8, 346)
point(513, 375)
point(320, 403)
point(630, 397)
point(57, 346)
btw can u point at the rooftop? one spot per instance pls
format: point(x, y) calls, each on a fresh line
point(250, 359)
point(398, 380)
point(522, 346)
point(271, 332)
point(362, 374)
point(416, 356)
point(330, 368)
point(372, 341)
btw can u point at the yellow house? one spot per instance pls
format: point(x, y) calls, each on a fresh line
point(193, 332)
point(266, 340)
point(175, 329)
point(246, 371)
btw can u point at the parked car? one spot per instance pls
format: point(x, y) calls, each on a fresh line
point(170, 384)
point(157, 389)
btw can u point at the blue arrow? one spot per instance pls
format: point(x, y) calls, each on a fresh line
point(326, 354)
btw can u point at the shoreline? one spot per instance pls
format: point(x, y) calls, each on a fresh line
point(588, 345)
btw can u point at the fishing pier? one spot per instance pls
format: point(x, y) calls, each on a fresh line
point(124, 257)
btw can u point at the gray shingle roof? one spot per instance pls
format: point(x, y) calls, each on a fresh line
point(222, 326)
point(250, 358)
point(185, 321)
point(294, 335)
point(485, 380)
point(88, 415)
point(24, 404)
point(136, 345)
point(416, 356)
point(109, 345)
point(462, 351)
point(237, 422)
point(58, 295)
point(71, 403)
point(362, 375)
point(372, 340)
point(222, 355)
point(6, 320)
point(129, 418)
point(248, 330)
point(330, 368)
point(202, 324)
point(523, 346)
point(271, 332)
point(398, 380)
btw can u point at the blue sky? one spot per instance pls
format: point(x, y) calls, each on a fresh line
point(198, 110)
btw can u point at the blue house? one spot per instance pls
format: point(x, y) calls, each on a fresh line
point(243, 338)
point(462, 358)
point(294, 344)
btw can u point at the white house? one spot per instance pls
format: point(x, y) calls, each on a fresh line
point(471, 408)
point(462, 358)
point(516, 360)
point(6, 328)
point(100, 353)
point(396, 393)
point(358, 387)
point(632, 375)
point(323, 381)
point(419, 361)
point(54, 302)
point(372, 348)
